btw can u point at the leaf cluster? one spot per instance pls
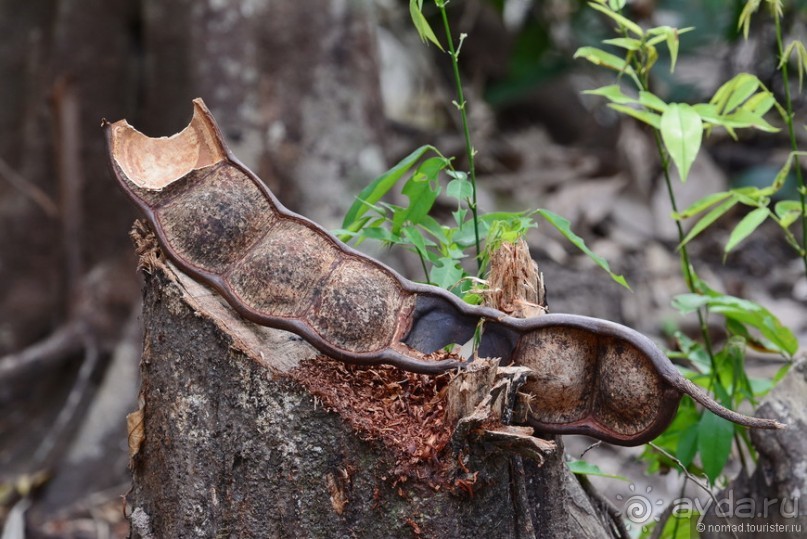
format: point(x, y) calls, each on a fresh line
point(743, 102)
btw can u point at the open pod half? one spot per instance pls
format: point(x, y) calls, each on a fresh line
point(219, 223)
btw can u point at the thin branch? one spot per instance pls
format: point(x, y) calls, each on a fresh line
point(794, 145)
point(692, 478)
point(598, 443)
point(28, 189)
point(56, 347)
point(57, 436)
point(462, 105)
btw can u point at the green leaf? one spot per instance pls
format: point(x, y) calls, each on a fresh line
point(381, 234)
point(743, 311)
point(701, 205)
point(563, 226)
point(672, 46)
point(461, 189)
point(715, 436)
point(734, 92)
point(621, 20)
point(688, 444)
point(613, 93)
point(651, 101)
point(650, 118)
point(672, 36)
point(687, 303)
point(745, 227)
point(708, 219)
point(422, 194)
point(784, 172)
point(801, 59)
point(743, 118)
point(682, 131)
point(684, 520)
point(628, 43)
point(748, 312)
point(788, 212)
point(429, 170)
point(760, 103)
point(581, 467)
point(692, 350)
point(421, 24)
point(708, 113)
point(465, 235)
point(415, 238)
point(744, 21)
point(459, 215)
point(380, 187)
point(437, 231)
point(745, 86)
point(446, 273)
point(606, 59)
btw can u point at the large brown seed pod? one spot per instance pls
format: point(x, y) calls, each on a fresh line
point(219, 223)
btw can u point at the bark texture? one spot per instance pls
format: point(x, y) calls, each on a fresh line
point(295, 85)
point(234, 444)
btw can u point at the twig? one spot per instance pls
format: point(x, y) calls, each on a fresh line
point(692, 478)
point(28, 189)
point(598, 443)
point(54, 440)
point(462, 105)
point(59, 345)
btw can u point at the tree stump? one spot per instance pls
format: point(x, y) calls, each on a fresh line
point(245, 431)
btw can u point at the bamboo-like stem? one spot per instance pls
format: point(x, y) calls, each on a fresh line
point(461, 104)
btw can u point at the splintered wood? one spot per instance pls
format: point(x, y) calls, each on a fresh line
point(404, 411)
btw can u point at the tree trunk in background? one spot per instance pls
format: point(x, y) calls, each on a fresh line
point(64, 259)
point(295, 86)
point(234, 443)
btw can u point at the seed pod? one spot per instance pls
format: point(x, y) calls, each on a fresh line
point(219, 223)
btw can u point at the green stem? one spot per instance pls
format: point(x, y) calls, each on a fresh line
point(685, 260)
point(469, 150)
point(793, 142)
point(689, 273)
point(423, 265)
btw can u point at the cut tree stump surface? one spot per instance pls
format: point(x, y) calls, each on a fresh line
point(237, 444)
